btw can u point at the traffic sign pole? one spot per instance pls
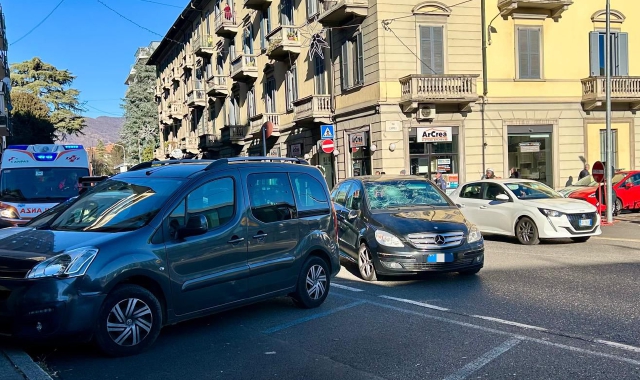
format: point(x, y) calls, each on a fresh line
point(609, 145)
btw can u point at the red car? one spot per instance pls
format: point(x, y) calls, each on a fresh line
point(626, 186)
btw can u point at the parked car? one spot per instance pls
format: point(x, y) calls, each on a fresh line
point(403, 225)
point(581, 184)
point(626, 185)
point(526, 209)
point(166, 242)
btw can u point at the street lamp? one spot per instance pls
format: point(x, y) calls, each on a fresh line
point(124, 154)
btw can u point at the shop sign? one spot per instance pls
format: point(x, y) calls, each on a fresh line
point(357, 140)
point(453, 181)
point(295, 150)
point(439, 134)
point(529, 147)
point(274, 152)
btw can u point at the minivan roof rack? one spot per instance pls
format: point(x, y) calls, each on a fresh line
point(155, 162)
point(226, 161)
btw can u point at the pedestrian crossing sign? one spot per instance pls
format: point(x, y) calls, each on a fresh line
point(326, 132)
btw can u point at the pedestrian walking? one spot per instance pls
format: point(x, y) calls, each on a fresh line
point(489, 174)
point(440, 182)
point(514, 173)
point(584, 172)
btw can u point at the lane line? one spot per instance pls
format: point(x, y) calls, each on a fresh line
point(483, 360)
point(498, 332)
point(617, 239)
point(619, 345)
point(428, 306)
point(312, 317)
point(511, 323)
point(339, 286)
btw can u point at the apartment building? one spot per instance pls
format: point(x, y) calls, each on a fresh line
point(5, 99)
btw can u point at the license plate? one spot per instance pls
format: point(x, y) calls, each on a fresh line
point(440, 258)
point(584, 223)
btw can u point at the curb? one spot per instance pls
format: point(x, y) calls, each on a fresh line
point(25, 365)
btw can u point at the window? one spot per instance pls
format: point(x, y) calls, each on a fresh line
point(352, 73)
point(320, 74)
point(270, 95)
point(493, 190)
point(603, 146)
point(232, 50)
point(220, 65)
point(310, 195)
point(234, 110)
point(215, 200)
point(472, 191)
point(339, 195)
point(529, 57)
point(312, 8)
point(354, 199)
point(251, 102)
point(265, 28)
point(206, 22)
point(286, 12)
point(271, 197)
point(247, 40)
point(619, 53)
point(291, 87)
point(432, 49)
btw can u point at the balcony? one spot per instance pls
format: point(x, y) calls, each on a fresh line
point(336, 13)
point(177, 110)
point(257, 4)
point(453, 89)
point(625, 91)
point(4, 125)
point(234, 134)
point(244, 68)
point(187, 62)
point(196, 98)
point(204, 45)
point(283, 41)
point(225, 24)
point(192, 142)
point(256, 122)
point(552, 9)
point(315, 108)
point(208, 141)
point(217, 86)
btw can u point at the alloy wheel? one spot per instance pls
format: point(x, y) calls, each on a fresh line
point(525, 230)
point(316, 282)
point(366, 264)
point(129, 322)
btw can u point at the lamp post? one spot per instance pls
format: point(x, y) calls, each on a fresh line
point(607, 69)
point(124, 154)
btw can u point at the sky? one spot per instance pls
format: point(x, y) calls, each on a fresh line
point(86, 38)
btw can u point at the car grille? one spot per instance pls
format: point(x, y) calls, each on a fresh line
point(440, 266)
point(574, 219)
point(429, 240)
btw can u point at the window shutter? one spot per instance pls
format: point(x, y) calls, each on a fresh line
point(438, 49)
point(344, 59)
point(425, 50)
point(534, 54)
point(263, 34)
point(268, 19)
point(594, 54)
point(360, 59)
point(287, 89)
point(523, 53)
point(623, 54)
point(294, 80)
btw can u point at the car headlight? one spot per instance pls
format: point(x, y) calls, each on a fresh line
point(474, 235)
point(67, 264)
point(9, 213)
point(387, 239)
point(550, 213)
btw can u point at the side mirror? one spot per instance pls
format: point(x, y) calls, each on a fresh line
point(196, 225)
point(353, 214)
point(502, 198)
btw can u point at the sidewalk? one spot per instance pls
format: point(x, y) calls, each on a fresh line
point(626, 226)
point(17, 365)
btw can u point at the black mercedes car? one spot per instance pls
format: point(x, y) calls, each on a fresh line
point(403, 225)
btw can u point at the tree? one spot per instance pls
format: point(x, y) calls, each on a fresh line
point(30, 123)
point(53, 87)
point(101, 160)
point(140, 131)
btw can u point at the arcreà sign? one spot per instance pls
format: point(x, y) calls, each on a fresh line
point(436, 134)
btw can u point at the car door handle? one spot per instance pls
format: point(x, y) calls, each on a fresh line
point(260, 236)
point(235, 240)
point(483, 207)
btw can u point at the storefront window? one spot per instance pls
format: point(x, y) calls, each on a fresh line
point(429, 158)
point(531, 155)
point(361, 161)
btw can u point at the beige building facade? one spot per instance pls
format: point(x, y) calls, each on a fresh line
point(402, 85)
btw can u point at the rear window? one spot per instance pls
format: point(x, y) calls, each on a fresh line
point(271, 197)
point(310, 193)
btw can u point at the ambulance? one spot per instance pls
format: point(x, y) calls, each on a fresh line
point(34, 178)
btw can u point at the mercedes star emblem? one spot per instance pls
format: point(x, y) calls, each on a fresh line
point(439, 239)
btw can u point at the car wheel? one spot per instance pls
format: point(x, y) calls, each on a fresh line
point(365, 264)
point(469, 272)
point(129, 322)
point(618, 206)
point(527, 232)
point(581, 239)
point(313, 283)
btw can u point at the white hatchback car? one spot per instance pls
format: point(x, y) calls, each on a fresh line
point(526, 209)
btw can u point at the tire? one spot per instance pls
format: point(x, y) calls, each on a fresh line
point(314, 282)
point(469, 272)
point(142, 323)
point(365, 264)
point(618, 207)
point(527, 232)
point(581, 239)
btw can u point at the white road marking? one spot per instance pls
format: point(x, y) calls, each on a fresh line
point(619, 345)
point(483, 360)
point(434, 307)
point(346, 287)
point(511, 323)
point(617, 239)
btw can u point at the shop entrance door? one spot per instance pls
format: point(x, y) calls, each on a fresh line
point(427, 159)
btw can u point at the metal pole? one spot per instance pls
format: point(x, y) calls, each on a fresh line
point(607, 69)
point(485, 81)
point(264, 142)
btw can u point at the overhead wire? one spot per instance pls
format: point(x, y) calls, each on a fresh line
point(159, 3)
point(38, 24)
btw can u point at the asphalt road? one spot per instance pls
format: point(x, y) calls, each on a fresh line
point(553, 311)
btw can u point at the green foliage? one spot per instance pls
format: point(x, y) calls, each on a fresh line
point(140, 131)
point(30, 122)
point(101, 161)
point(53, 87)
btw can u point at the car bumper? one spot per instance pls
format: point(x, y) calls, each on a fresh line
point(43, 309)
point(407, 260)
point(562, 227)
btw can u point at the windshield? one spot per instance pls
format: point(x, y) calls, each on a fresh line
point(532, 190)
point(392, 194)
point(46, 217)
point(114, 206)
point(618, 177)
point(586, 181)
point(40, 184)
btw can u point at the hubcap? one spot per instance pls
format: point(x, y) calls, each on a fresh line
point(316, 282)
point(366, 264)
point(129, 322)
point(526, 231)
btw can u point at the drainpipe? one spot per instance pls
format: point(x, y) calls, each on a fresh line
point(485, 91)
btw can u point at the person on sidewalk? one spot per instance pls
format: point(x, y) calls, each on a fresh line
point(440, 182)
point(489, 174)
point(584, 172)
point(514, 173)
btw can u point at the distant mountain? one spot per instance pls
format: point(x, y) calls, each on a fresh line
point(103, 128)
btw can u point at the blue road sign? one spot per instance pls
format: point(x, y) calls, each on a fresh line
point(326, 132)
